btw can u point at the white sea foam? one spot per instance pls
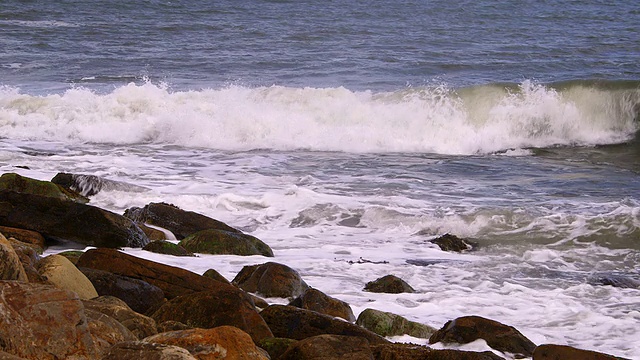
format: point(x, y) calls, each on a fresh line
point(433, 120)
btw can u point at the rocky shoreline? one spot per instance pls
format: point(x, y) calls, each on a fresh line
point(107, 304)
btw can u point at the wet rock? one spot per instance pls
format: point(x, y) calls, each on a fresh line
point(29, 257)
point(89, 185)
point(59, 271)
point(224, 342)
point(398, 351)
point(276, 346)
point(106, 331)
point(271, 280)
point(167, 248)
point(42, 322)
point(63, 219)
point(26, 236)
point(448, 242)
point(213, 274)
point(140, 326)
point(208, 309)
point(220, 242)
point(152, 233)
point(562, 352)
point(72, 255)
point(615, 280)
point(139, 350)
point(329, 347)
point(138, 294)
point(180, 222)
point(501, 337)
point(389, 284)
point(295, 323)
point(388, 324)
point(11, 267)
point(16, 183)
point(316, 300)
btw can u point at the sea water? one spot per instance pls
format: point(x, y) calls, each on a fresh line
point(347, 136)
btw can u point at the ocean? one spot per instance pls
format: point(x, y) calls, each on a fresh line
point(347, 135)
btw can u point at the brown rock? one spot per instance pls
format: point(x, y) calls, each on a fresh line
point(43, 322)
point(106, 331)
point(220, 242)
point(329, 347)
point(276, 346)
point(388, 324)
point(167, 248)
point(152, 234)
point(271, 280)
point(26, 236)
point(224, 342)
point(10, 265)
point(72, 255)
point(29, 257)
point(397, 351)
point(138, 294)
point(59, 271)
point(448, 242)
point(7, 356)
point(138, 350)
point(180, 222)
point(562, 352)
point(140, 326)
point(389, 284)
point(316, 300)
point(16, 183)
point(213, 274)
point(295, 323)
point(209, 309)
point(499, 336)
point(172, 326)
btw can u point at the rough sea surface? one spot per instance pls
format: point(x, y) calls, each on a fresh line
point(341, 131)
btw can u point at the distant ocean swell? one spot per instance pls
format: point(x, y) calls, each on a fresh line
point(472, 120)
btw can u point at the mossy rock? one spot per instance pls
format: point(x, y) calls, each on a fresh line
point(72, 255)
point(167, 248)
point(389, 324)
point(276, 346)
point(213, 241)
point(25, 185)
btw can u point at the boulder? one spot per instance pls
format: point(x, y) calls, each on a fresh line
point(167, 248)
point(138, 294)
point(180, 222)
point(7, 356)
point(11, 267)
point(316, 300)
point(563, 352)
point(398, 351)
point(209, 309)
point(172, 326)
point(72, 255)
point(29, 257)
point(152, 233)
point(43, 322)
point(59, 271)
point(221, 242)
point(388, 324)
point(276, 346)
point(500, 337)
point(172, 280)
point(69, 220)
point(89, 185)
point(389, 284)
point(213, 274)
point(295, 323)
point(139, 350)
point(271, 280)
point(224, 342)
point(16, 183)
point(140, 326)
point(329, 347)
point(26, 236)
point(106, 331)
point(448, 242)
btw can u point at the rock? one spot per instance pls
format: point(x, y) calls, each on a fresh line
point(139, 350)
point(138, 294)
point(29, 257)
point(31, 313)
point(106, 331)
point(69, 220)
point(329, 347)
point(26, 236)
point(140, 326)
point(167, 248)
point(276, 346)
point(7, 356)
point(500, 337)
point(220, 242)
point(10, 265)
point(180, 222)
point(389, 284)
point(172, 280)
point(152, 233)
point(224, 342)
point(72, 255)
point(271, 280)
point(16, 183)
point(171, 325)
point(388, 324)
point(209, 309)
point(89, 185)
point(615, 280)
point(316, 300)
point(562, 352)
point(295, 323)
point(63, 274)
point(213, 274)
point(448, 242)
point(398, 351)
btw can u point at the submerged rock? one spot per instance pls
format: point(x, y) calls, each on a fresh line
point(390, 284)
point(222, 242)
point(448, 242)
point(89, 185)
